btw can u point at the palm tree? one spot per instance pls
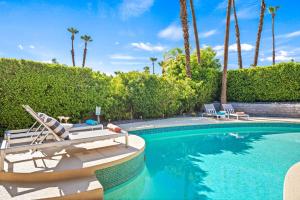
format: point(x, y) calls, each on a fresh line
point(260, 27)
point(272, 11)
point(73, 31)
point(237, 35)
point(161, 64)
point(226, 42)
point(153, 60)
point(195, 31)
point(86, 39)
point(147, 69)
point(54, 61)
point(185, 30)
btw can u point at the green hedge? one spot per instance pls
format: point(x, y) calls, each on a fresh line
point(72, 91)
point(49, 88)
point(277, 83)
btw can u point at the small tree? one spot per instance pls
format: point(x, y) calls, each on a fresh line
point(153, 60)
point(272, 11)
point(147, 69)
point(73, 31)
point(86, 39)
point(54, 61)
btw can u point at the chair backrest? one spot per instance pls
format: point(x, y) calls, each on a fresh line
point(35, 116)
point(210, 108)
point(228, 108)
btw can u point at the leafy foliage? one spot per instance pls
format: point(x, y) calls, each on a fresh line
point(72, 91)
point(174, 66)
point(265, 84)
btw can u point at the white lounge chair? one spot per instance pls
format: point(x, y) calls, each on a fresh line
point(43, 136)
point(230, 112)
point(211, 111)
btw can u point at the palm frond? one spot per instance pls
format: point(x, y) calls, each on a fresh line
point(73, 30)
point(86, 38)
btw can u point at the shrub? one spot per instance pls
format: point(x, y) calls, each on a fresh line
point(265, 84)
point(72, 91)
point(49, 88)
point(174, 66)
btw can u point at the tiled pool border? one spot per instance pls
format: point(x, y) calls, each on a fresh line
point(205, 126)
point(118, 174)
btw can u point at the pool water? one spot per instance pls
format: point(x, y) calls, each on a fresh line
point(227, 162)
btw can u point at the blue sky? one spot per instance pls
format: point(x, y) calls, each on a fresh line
point(127, 32)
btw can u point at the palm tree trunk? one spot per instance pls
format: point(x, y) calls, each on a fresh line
point(195, 31)
point(237, 34)
point(260, 27)
point(72, 51)
point(273, 36)
point(185, 30)
point(152, 67)
point(84, 54)
point(226, 42)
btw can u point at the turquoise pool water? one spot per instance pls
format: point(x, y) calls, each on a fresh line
point(214, 162)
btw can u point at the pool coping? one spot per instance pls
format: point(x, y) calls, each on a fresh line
point(192, 121)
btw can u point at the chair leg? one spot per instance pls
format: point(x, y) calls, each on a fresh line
point(2, 157)
point(126, 139)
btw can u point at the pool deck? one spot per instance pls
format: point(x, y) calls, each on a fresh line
point(185, 121)
point(69, 173)
point(66, 173)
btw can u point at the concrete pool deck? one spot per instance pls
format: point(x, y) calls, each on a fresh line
point(92, 156)
point(185, 121)
point(67, 173)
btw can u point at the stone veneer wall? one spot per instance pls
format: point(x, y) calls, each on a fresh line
point(269, 109)
point(118, 174)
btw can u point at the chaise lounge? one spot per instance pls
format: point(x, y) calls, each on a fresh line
point(230, 112)
point(211, 111)
point(45, 136)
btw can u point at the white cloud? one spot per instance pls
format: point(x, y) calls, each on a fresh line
point(20, 47)
point(290, 35)
point(208, 33)
point(244, 47)
point(126, 57)
point(148, 46)
point(117, 43)
point(222, 5)
point(219, 49)
point(121, 57)
point(281, 56)
point(134, 8)
point(126, 63)
point(31, 46)
point(172, 32)
point(247, 13)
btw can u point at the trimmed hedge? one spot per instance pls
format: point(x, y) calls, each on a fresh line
point(72, 91)
point(279, 83)
point(50, 88)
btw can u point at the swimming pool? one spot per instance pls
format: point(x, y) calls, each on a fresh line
point(211, 162)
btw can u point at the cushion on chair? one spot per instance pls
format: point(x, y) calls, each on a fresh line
point(57, 127)
point(42, 116)
point(114, 128)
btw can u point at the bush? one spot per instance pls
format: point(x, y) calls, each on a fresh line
point(265, 84)
point(72, 91)
point(49, 88)
point(174, 66)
